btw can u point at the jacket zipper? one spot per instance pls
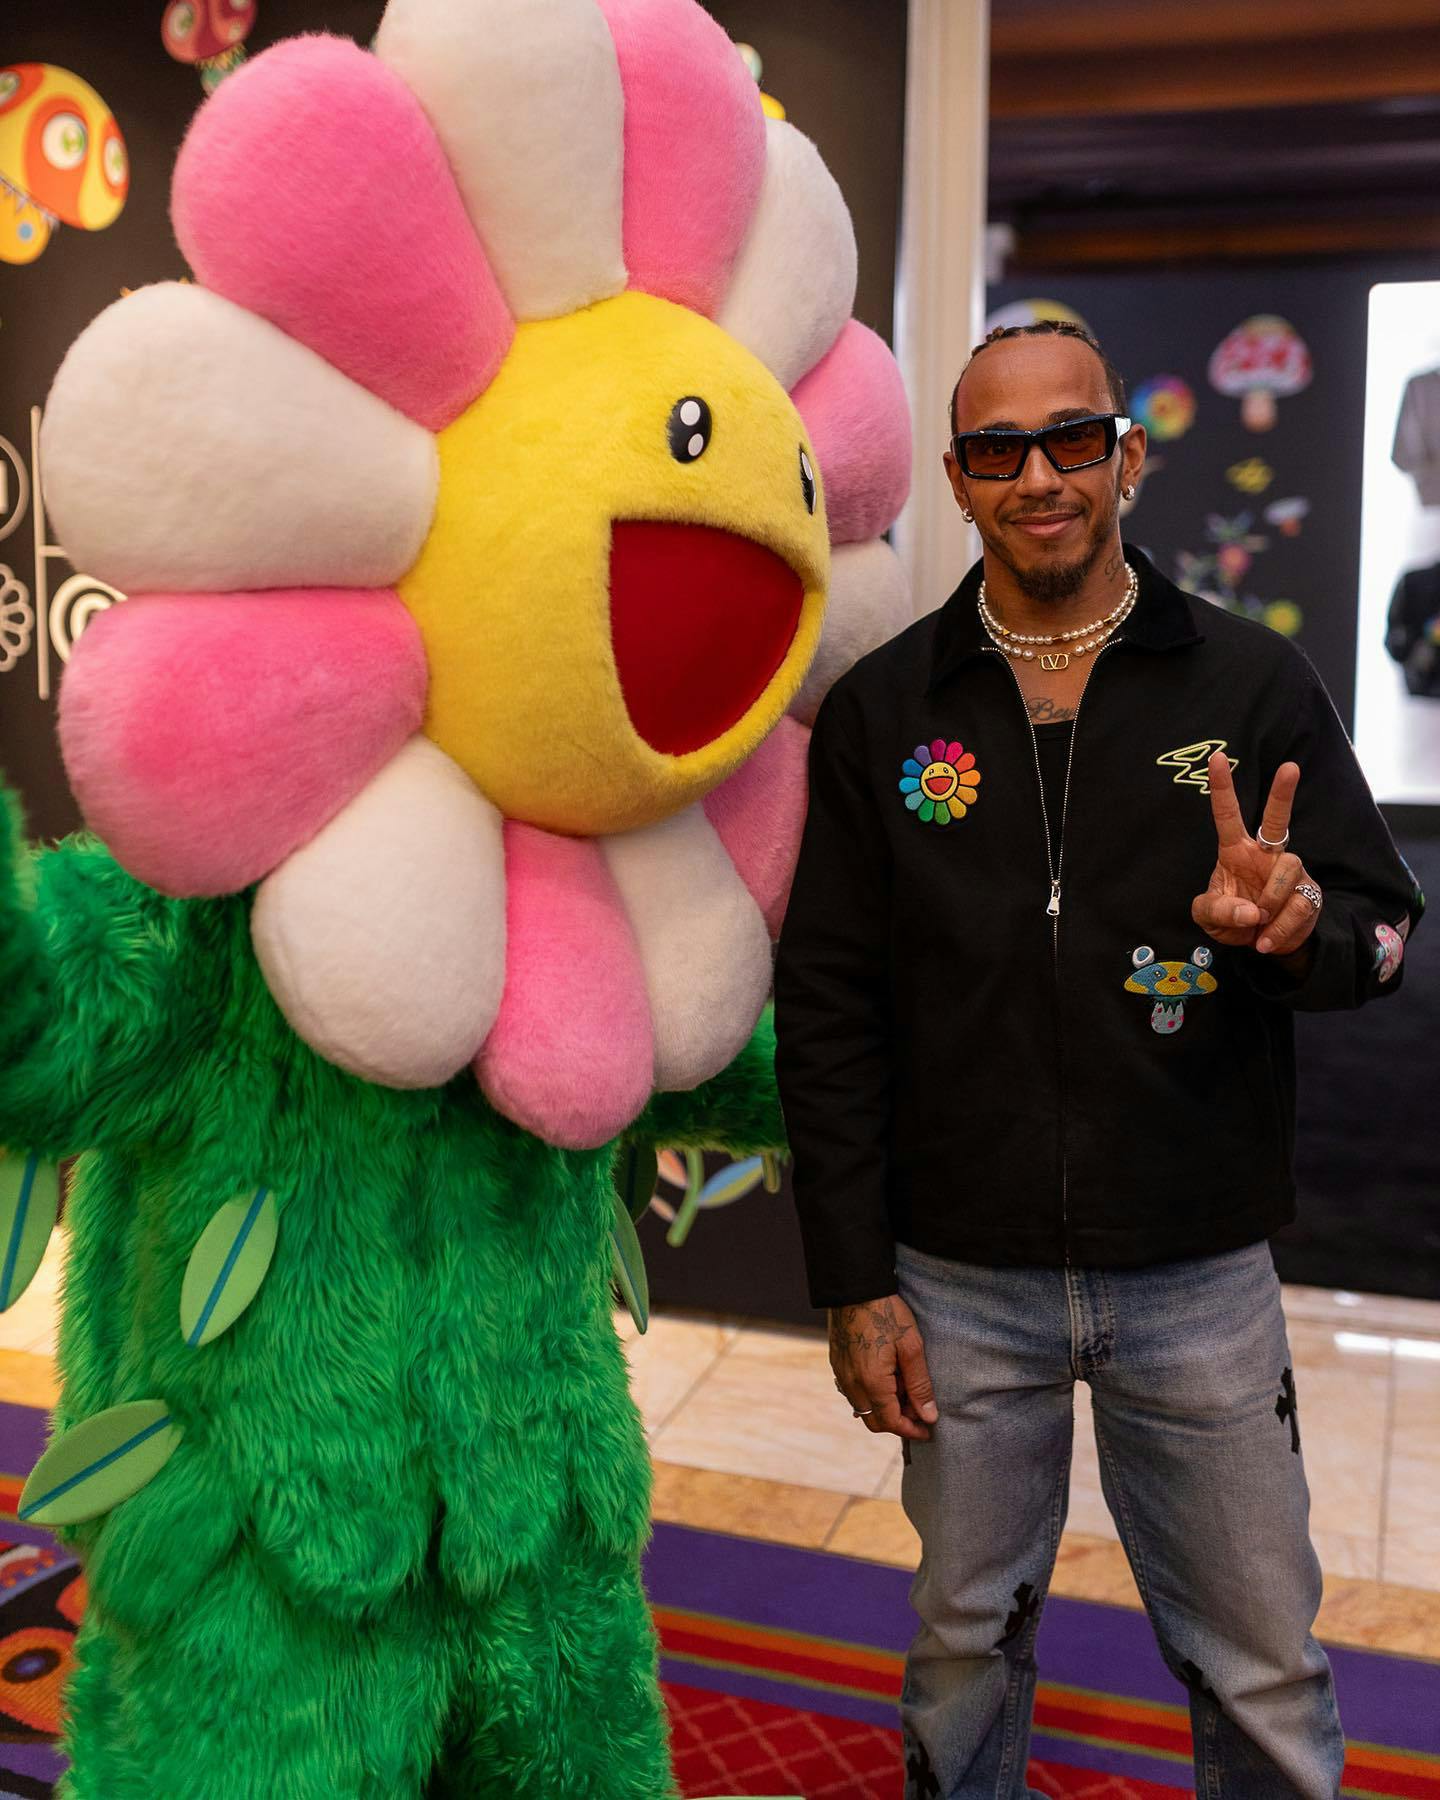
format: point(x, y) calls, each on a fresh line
point(1055, 863)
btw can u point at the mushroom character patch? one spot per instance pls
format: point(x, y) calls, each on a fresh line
point(1389, 951)
point(940, 782)
point(1170, 984)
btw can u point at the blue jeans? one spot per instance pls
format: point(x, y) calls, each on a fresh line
point(1195, 1423)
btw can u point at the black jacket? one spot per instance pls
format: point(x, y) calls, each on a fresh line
point(967, 1071)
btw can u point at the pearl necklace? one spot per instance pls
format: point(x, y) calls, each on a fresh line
point(1017, 644)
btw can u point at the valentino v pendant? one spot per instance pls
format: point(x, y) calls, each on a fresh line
point(1055, 660)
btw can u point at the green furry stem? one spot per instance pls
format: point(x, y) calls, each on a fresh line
point(737, 1110)
point(396, 1549)
point(94, 1028)
point(410, 1489)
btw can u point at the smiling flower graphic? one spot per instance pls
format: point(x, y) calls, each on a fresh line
point(940, 782)
point(478, 505)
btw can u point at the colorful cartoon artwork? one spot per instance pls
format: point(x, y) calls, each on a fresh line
point(1218, 576)
point(1193, 762)
point(1252, 476)
point(209, 33)
point(17, 618)
point(62, 158)
point(1288, 515)
point(1170, 985)
point(42, 1595)
point(1031, 312)
point(1235, 545)
point(750, 56)
point(699, 1193)
point(1389, 951)
point(1262, 360)
point(940, 783)
point(1165, 406)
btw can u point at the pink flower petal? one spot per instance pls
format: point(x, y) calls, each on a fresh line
point(953, 752)
point(694, 148)
point(854, 407)
point(937, 750)
point(312, 190)
point(208, 736)
point(759, 814)
point(571, 1055)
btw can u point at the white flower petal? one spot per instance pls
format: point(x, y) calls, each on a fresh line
point(868, 602)
point(383, 939)
point(188, 444)
point(794, 282)
point(702, 940)
point(526, 100)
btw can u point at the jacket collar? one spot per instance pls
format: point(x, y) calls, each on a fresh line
point(1163, 619)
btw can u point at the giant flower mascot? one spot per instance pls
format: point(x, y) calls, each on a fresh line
point(495, 507)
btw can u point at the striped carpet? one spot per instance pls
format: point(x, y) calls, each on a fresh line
point(783, 1668)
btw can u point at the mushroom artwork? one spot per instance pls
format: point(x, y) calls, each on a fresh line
point(209, 33)
point(1170, 984)
point(1288, 514)
point(62, 158)
point(1261, 360)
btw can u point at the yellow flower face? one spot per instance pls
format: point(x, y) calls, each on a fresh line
point(624, 583)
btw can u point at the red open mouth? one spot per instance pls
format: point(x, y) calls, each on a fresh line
point(700, 620)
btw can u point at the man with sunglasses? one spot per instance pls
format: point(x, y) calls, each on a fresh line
point(1034, 1003)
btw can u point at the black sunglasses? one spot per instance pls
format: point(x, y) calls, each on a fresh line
point(1072, 444)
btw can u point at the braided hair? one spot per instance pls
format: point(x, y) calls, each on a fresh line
point(1047, 328)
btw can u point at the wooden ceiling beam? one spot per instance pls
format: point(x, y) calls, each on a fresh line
point(1052, 27)
point(1089, 245)
point(1190, 78)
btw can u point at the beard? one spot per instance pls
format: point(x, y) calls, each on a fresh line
point(1049, 583)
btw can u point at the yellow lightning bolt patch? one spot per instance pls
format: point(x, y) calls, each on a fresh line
point(1192, 759)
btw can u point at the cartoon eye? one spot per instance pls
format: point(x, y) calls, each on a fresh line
point(63, 141)
point(807, 481)
point(181, 20)
point(1142, 956)
point(1201, 957)
point(114, 162)
point(689, 429)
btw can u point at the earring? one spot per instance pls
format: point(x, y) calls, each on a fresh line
point(1127, 493)
point(968, 517)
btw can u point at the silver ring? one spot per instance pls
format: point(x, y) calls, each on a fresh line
point(1311, 893)
point(1265, 843)
point(862, 1415)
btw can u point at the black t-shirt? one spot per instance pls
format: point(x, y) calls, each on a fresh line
point(1053, 743)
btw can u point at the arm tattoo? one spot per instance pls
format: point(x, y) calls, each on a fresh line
point(1046, 712)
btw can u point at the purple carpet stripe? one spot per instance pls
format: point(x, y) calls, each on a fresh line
point(769, 1584)
point(24, 1434)
point(1110, 1759)
point(1386, 1700)
point(746, 1684)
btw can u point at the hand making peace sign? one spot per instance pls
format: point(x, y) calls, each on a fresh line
point(1258, 895)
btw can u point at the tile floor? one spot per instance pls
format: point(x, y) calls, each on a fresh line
point(749, 1436)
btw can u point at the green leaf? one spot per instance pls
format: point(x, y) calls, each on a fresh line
point(636, 1173)
point(227, 1266)
point(29, 1207)
point(102, 1461)
point(771, 1165)
point(733, 1181)
point(628, 1263)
